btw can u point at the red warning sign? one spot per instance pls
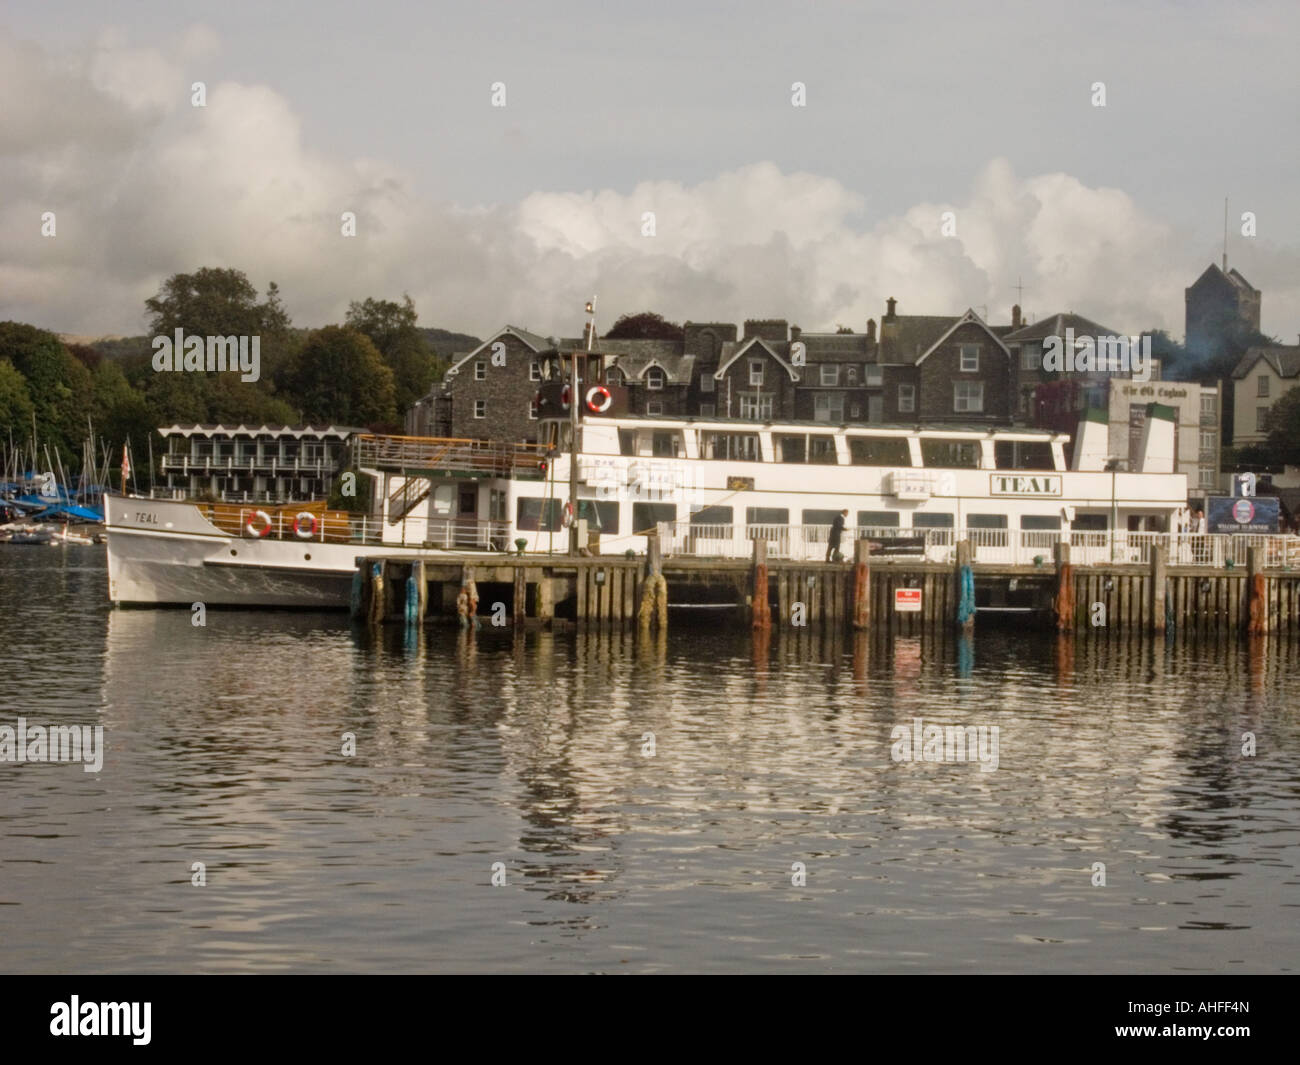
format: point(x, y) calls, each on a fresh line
point(907, 600)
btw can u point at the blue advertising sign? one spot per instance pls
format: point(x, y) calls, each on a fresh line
point(1243, 514)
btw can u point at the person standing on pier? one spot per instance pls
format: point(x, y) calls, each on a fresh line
point(837, 531)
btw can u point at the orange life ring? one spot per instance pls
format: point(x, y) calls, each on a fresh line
point(599, 399)
point(298, 530)
point(252, 530)
point(565, 395)
point(566, 516)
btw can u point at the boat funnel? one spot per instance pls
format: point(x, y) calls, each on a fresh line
point(1157, 454)
point(1090, 442)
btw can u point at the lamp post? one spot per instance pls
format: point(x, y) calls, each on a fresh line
point(574, 389)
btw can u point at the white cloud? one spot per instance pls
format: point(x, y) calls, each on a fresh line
point(144, 185)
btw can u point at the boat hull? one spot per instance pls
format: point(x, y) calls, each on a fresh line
point(162, 553)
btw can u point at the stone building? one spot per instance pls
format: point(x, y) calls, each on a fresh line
point(1261, 377)
point(1218, 304)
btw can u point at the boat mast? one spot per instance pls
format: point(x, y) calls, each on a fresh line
point(573, 429)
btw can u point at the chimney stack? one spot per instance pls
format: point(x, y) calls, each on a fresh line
point(1015, 316)
point(871, 330)
point(794, 332)
point(890, 304)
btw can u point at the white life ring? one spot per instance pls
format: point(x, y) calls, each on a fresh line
point(565, 395)
point(566, 516)
point(253, 530)
point(298, 525)
point(599, 399)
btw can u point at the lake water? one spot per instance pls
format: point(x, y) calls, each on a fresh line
point(224, 746)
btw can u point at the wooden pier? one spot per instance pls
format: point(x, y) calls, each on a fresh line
point(902, 595)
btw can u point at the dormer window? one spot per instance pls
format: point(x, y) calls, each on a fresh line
point(830, 374)
point(755, 371)
point(654, 378)
point(970, 358)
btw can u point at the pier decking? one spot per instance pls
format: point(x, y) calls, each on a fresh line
point(1051, 593)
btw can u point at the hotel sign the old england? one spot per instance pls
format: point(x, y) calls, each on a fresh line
point(1004, 484)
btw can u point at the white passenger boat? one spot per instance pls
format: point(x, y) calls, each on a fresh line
point(706, 487)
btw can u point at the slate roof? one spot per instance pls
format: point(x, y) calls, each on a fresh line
point(912, 335)
point(1055, 325)
point(1285, 360)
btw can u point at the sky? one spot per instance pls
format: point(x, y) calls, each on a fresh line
point(488, 215)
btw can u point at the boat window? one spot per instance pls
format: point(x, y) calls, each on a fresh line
point(791, 448)
point(1090, 522)
point(538, 515)
point(820, 517)
point(951, 454)
point(667, 445)
point(878, 519)
point(879, 451)
point(443, 496)
point(932, 521)
point(735, 446)
point(1040, 522)
point(986, 521)
point(646, 516)
point(821, 450)
point(627, 441)
point(712, 516)
point(599, 515)
point(1023, 455)
point(767, 516)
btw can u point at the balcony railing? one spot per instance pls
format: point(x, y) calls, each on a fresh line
point(447, 454)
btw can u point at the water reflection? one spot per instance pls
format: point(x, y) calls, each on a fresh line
point(226, 745)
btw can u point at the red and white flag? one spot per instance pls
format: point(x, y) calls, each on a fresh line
point(126, 467)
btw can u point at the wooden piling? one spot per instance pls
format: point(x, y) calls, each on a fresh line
point(760, 610)
point(965, 613)
point(861, 585)
point(1064, 601)
point(1257, 590)
point(1159, 589)
point(545, 600)
point(654, 591)
point(520, 611)
point(378, 593)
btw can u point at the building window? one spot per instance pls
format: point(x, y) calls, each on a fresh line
point(614, 376)
point(1262, 384)
point(968, 397)
point(654, 378)
point(1031, 357)
point(850, 375)
point(480, 408)
point(906, 399)
point(1261, 419)
point(654, 406)
point(1207, 478)
point(480, 371)
point(706, 382)
point(1209, 405)
point(755, 371)
point(828, 407)
point(534, 371)
point(708, 410)
point(876, 409)
point(532, 412)
point(756, 406)
point(970, 358)
point(830, 375)
point(1209, 441)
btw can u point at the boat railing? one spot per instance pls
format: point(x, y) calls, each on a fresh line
point(1011, 547)
point(447, 454)
point(451, 534)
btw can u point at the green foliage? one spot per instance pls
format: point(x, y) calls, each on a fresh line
point(356, 504)
point(57, 385)
point(645, 326)
point(392, 329)
point(15, 403)
point(215, 301)
point(1283, 447)
point(341, 378)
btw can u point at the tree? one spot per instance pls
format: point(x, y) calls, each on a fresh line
point(341, 378)
point(15, 403)
point(645, 326)
point(214, 301)
point(1283, 446)
point(57, 385)
point(1172, 355)
point(392, 329)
